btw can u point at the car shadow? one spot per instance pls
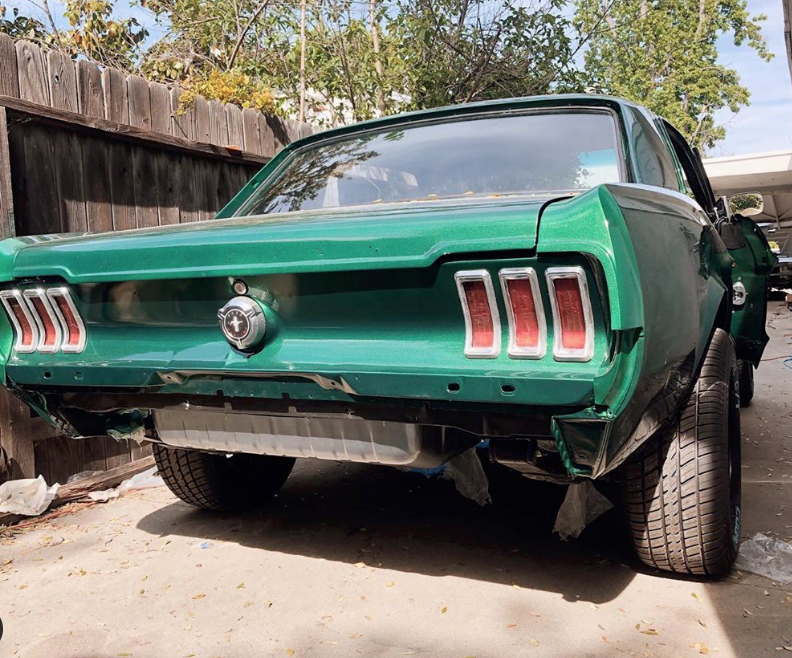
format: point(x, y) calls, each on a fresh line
point(405, 521)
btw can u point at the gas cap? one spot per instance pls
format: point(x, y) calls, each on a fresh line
point(243, 322)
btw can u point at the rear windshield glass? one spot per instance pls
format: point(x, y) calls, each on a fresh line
point(519, 154)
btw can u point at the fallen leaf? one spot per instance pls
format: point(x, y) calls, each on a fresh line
point(443, 610)
point(123, 654)
point(289, 652)
point(240, 586)
point(389, 584)
point(534, 642)
point(702, 623)
point(359, 565)
point(696, 596)
point(516, 586)
point(511, 626)
point(649, 631)
point(247, 604)
point(701, 648)
point(199, 596)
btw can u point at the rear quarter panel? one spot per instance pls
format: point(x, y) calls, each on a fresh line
point(664, 269)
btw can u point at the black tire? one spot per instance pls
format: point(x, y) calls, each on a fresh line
point(745, 372)
point(217, 482)
point(682, 494)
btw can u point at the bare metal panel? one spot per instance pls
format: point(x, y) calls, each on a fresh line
point(336, 438)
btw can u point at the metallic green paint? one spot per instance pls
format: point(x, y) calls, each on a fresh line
point(362, 304)
point(753, 262)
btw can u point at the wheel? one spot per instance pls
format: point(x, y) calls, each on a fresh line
point(219, 482)
point(682, 494)
point(745, 372)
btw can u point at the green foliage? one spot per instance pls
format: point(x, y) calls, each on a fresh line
point(461, 50)
point(747, 201)
point(93, 33)
point(664, 55)
point(364, 58)
point(232, 86)
point(18, 26)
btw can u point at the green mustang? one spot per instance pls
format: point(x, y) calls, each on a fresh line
point(552, 274)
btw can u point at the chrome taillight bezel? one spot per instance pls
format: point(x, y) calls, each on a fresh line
point(19, 347)
point(513, 350)
point(472, 352)
point(64, 293)
point(39, 293)
point(561, 353)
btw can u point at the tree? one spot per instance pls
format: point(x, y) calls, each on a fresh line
point(465, 50)
point(663, 54)
point(93, 33)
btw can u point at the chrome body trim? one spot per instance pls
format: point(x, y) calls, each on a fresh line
point(514, 350)
point(561, 353)
point(472, 352)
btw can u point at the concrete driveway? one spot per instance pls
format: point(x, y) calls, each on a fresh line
point(370, 561)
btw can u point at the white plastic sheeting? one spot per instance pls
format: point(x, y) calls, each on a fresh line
point(29, 497)
point(142, 480)
point(582, 504)
point(468, 476)
point(766, 556)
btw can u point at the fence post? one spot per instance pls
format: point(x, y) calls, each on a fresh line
point(15, 438)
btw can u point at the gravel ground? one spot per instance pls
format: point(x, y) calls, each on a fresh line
point(355, 560)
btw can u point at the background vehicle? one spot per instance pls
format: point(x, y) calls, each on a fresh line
point(552, 274)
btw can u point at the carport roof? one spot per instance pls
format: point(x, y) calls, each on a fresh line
point(769, 173)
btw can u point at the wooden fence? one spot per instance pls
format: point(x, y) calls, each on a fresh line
point(90, 149)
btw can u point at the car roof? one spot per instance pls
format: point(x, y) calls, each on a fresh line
point(502, 104)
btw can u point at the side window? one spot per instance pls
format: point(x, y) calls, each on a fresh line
point(684, 186)
point(695, 176)
point(650, 153)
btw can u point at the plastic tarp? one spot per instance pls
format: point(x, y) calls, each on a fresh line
point(582, 504)
point(766, 556)
point(29, 497)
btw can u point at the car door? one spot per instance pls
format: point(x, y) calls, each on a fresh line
point(748, 247)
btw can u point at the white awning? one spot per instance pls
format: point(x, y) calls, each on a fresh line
point(768, 173)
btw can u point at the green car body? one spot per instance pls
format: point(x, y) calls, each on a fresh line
point(363, 315)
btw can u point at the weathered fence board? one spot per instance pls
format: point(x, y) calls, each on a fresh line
point(84, 148)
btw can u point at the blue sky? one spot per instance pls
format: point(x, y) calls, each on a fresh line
point(764, 125)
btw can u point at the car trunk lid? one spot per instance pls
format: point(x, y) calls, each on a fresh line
point(368, 238)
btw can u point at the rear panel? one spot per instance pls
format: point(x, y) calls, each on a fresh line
point(397, 333)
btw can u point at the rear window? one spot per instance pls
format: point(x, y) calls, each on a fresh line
point(537, 153)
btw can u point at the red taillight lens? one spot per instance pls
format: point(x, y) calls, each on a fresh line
point(527, 332)
point(49, 328)
point(480, 313)
point(482, 323)
point(24, 325)
point(572, 317)
point(570, 313)
point(73, 328)
point(45, 320)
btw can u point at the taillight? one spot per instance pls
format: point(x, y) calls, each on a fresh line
point(69, 317)
point(527, 329)
point(49, 327)
point(44, 320)
point(573, 322)
point(25, 327)
point(482, 322)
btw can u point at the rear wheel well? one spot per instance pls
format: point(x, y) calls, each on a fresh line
point(723, 316)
